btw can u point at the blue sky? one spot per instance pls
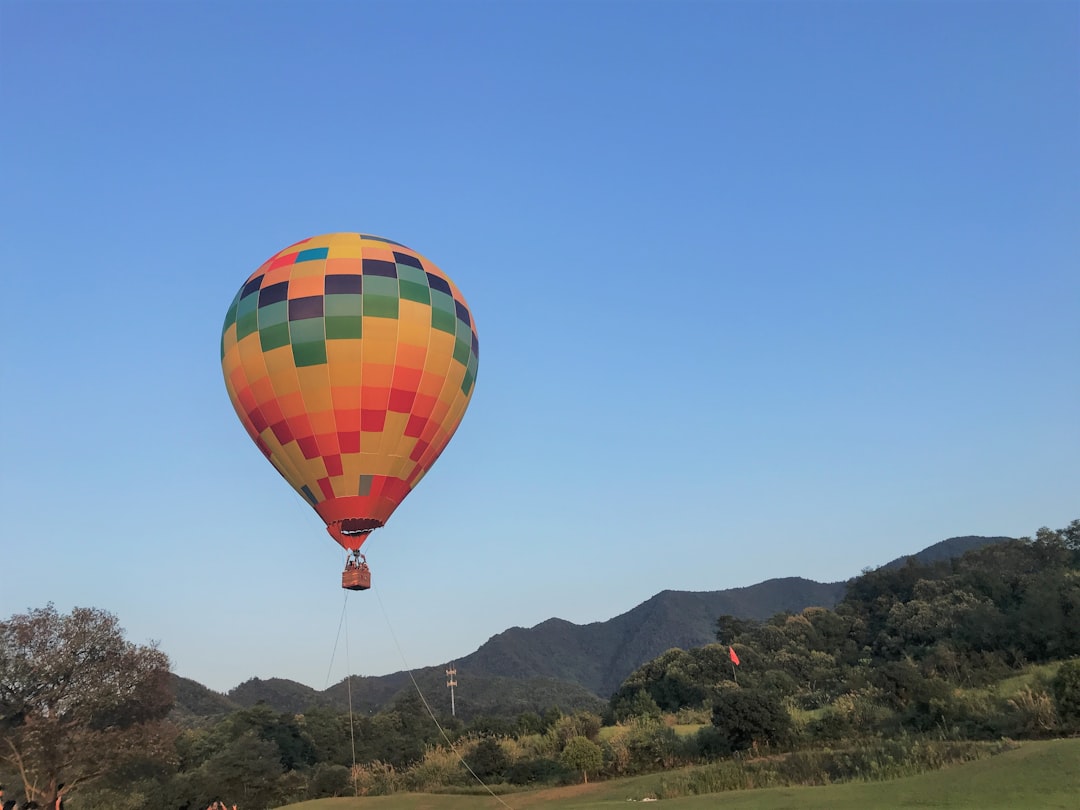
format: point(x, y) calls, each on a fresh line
point(762, 289)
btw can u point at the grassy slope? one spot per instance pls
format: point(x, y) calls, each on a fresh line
point(1038, 775)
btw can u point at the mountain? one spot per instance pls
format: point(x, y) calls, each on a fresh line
point(600, 655)
point(946, 550)
point(558, 662)
point(193, 702)
point(284, 695)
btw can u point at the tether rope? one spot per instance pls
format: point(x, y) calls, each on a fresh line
point(344, 621)
point(337, 638)
point(431, 714)
point(348, 683)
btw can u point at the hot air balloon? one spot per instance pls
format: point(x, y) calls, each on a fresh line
point(350, 360)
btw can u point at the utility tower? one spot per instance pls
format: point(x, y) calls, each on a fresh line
point(451, 682)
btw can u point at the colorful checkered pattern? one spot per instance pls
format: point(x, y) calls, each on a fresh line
point(350, 359)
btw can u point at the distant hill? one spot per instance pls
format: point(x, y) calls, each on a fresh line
point(946, 550)
point(195, 703)
point(600, 655)
point(557, 662)
point(478, 694)
point(284, 695)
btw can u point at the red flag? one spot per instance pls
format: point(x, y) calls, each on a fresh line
point(731, 654)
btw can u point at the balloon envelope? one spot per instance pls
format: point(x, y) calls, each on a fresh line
point(350, 360)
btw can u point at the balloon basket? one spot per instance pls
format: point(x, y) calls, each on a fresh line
point(356, 577)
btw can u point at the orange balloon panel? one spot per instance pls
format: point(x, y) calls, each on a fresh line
point(350, 360)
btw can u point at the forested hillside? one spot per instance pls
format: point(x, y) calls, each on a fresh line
point(909, 648)
point(578, 662)
point(600, 655)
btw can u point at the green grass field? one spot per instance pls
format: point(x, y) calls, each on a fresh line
point(1036, 775)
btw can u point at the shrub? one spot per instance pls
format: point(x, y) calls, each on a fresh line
point(329, 780)
point(537, 771)
point(749, 716)
point(440, 768)
point(1033, 713)
point(488, 760)
point(711, 743)
point(375, 779)
point(1066, 686)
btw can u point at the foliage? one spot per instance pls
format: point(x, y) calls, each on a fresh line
point(748, 717)
point(376, 778)
point(579, 724)
point(329, 780)
point(1035, 713)
point(902, 652)
point(626, 704)
point(78, 701)
point(582, 754)
point(1066, 686)
point(544, 770)
point(488, 759)
point(872, 762)
point(246, 769)
point(441, 767)
point(645, 745)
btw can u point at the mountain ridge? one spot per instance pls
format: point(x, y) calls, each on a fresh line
point(583, 664)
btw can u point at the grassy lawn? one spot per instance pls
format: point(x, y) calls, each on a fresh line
point(1037, 775)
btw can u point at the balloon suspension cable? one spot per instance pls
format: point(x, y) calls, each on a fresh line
point(348, 685)
point(344, 622)
point(427, 706)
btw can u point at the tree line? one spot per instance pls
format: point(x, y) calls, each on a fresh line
point(919, 657)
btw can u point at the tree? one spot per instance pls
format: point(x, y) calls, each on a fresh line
point(245, 771)
point(748, 716)
point(582, 754)
point(295, 749)
point(637, 703)
point(489, 760)
point(77, 700)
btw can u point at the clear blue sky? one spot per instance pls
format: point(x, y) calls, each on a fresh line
point(762, 289)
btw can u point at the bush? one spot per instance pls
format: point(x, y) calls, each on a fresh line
point(638, 704)
point(488, 760)
point(538, 771)
point(329, 780)
point(440, 768)
point(376, 779)
point(1066, 687)
point(1033, 713)
point(711, 743)
point(749, 716)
